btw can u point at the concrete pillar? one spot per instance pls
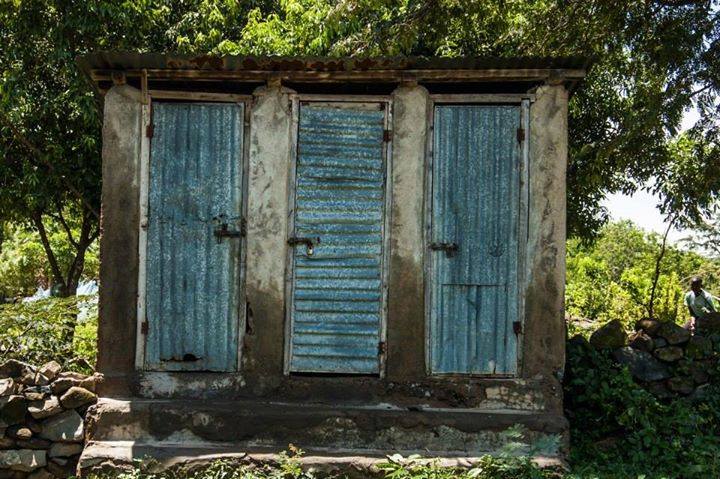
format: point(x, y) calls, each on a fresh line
point(544, 331)
point(271, 151)
point(406, 295)
point(121, 135)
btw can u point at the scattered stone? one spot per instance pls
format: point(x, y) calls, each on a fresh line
point(41, 379)
point(43, 409)
point(642, 342)
point(642, 365)
point(76, 397)
point(41, 474)
point(673, 333)
point(22, 460)
point(698, 347)
point(28, 379)
point(669, 353)
point(650, 326)
point(61, 449)
point(610, 336)
point(64, 427)
point(34, 443)
point(15, 369)
point(682, 385)
point(32, 396)
point(50, 370)
point(72, 375)
point(12, 409)
point(91, 382)
point(7, 387)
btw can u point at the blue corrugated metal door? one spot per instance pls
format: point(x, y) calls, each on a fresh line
point(474, 240)
point(337, 293)
point(192, 273)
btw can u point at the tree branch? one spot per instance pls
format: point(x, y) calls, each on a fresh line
point(658, 264)
point(21, 137)
point(54, 266)
point(66, 227)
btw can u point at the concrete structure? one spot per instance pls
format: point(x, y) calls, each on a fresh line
point(451, 398)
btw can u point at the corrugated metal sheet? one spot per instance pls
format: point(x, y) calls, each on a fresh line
point(475, 205)
point(340, 190)
point(192, 278)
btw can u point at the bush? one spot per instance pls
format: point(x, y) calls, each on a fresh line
point(620, 430)
point(60, 329)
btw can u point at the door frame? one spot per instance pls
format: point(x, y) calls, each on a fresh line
point(141, 335)
point(296, 102)
point(523, 150)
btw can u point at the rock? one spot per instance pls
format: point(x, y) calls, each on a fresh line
point(698, 347)
point(660, 343)
point(701, 393)
point(642, 365)
point(681, 384)
point(91, 382)
point(650, 326)
point(61, 467)
point(610, 336)
point(15, 369)
point(673, 333)
point(41, 380)
point(32, 396)
point(43, 409)
point(22, 460)
point(12, 409)
point(669, 353)
point(50, 370)
point(76, 397)
point(34, 443)
point(72, 375)
point(41, 474)
point(60, 449)
point(641, 341)
point(64, 427)
point(709, 324)
point(28, 379)
point(659, 390)
point(7, 387)
point(6, 443)
point(18, 432)
point(59, 386)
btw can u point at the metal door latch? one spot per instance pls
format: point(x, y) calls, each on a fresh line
point(224, 232)
point(308, 242)
point(449, 248)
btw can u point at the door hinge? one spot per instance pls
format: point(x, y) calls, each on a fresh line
point(382, 348)
point(387, 135)
point(144, 327)
point(520, 135)
point(149, 130)
point(517, 328)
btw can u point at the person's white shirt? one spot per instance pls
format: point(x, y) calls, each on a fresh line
point(699, 304)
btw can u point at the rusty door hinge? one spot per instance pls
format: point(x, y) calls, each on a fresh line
point(149, 130)
point(387, 135)
point(520, 135)
point(382, 348)
point(144, 327)
point(517, 328)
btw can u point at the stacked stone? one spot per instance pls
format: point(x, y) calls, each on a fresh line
point(666, 358)
point(42, 423)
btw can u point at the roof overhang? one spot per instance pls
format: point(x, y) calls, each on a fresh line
point(103, 68)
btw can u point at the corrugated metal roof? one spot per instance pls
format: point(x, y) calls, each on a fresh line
point(161, 61)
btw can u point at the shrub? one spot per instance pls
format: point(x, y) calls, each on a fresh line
point(60, 329)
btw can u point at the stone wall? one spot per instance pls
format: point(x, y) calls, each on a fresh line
point(42, 419)
point(669, 360)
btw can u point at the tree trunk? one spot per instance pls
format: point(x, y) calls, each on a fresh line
point(658, 264)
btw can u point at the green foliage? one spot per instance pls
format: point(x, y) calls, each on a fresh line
point(620, 430)
point(24, 265)
point(60, 329)
point(611, 277)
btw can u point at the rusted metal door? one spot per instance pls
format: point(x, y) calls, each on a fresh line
point(337, 242)
point(194, 236)
point(474, 239)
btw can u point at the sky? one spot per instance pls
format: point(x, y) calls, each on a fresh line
point(641, 207)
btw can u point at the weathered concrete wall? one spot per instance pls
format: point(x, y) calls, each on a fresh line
point(406, 303)
point(119, 240)
point(544, 332)
point(271, 156)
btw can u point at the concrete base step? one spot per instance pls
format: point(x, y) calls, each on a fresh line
point(138, 427)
